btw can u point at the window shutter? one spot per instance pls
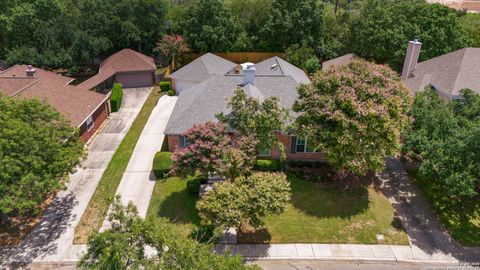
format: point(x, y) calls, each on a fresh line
point(293, 144)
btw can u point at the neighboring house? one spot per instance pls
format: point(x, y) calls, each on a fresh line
point(467, 5)
point(128, 67)
point(201, 102)
point(85, 109)
point(447, 74)
point(339, 61)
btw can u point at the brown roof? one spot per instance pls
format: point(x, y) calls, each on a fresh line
point(448, 73)
point(74, 102)
point(126, 60)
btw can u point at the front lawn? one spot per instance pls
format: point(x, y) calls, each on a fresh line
point(323, 213)
point(171, 200)
point(461, 220)
point(318, 213)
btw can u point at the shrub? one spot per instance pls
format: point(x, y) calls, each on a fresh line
point(117, 96)
point(171, 92)
point(268, 165)
point(312, 65)
point(165, 86)
point(162, 164)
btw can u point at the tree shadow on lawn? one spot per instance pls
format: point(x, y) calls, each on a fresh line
point(180, 208)
point(329, 199)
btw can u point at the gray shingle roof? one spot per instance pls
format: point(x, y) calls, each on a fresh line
point(339, 61)
point(203, 68)
point(200, 103)
point(448, 73)
point(276, 66)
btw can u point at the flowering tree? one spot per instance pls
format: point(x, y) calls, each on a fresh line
point(355, 113)
point(172, 46)
point(244, 202)
point(206, 145)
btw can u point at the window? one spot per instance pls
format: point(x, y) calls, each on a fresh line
point(303, 147)
point(183, 142)
point(264, 153)
point(90, 123)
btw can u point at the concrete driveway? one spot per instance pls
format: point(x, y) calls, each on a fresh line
point(138, 180)
point(51, 240)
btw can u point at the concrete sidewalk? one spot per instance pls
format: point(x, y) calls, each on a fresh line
point(330, 252)
point(138, 180)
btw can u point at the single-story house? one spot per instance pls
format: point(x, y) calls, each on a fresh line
point(447, 74)
point(200, 102)
point(128, 67)
point(85, 109)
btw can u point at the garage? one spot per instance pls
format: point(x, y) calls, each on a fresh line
point(135, 79)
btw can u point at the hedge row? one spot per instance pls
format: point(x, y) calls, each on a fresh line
point(117, 96)
point(165, 86)
point(269, 165)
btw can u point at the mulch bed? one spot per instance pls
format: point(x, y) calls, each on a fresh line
point(20, 226)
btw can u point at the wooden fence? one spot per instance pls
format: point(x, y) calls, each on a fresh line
point(242, 57)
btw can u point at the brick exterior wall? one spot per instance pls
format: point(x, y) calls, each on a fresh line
point(174, 143)
point(99, 116)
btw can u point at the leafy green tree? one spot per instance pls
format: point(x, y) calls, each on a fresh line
point(383, 29)
point(124, 246)
point(470, 23)
point(254, 118)
point(252, 15)
point(303, 57)
point(208, 26)
point(244, 202)
point(444, 137)
point(354, 113)
point(294, 22)
point(38, 149)
point(337, 32)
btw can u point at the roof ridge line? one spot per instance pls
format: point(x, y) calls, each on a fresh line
point(459, 70)
point(24, 88)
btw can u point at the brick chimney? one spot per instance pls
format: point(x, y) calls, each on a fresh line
point(30, 71)
point(411, 59)
point(248, 73)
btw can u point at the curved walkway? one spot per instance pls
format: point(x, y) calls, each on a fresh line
point(52, 238)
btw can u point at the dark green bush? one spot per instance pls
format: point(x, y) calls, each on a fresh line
point(162, 164)
point(117, 96)
point(193, 186)
point(268, 165)
point(165, 86)
point(171, 92)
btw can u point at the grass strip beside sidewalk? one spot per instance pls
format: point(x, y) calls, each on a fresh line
point(97, 208)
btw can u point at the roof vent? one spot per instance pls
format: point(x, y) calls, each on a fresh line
point(30, 71)
point(274, 66)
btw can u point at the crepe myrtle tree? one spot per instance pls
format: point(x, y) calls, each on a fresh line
point(256, 119)
point(354, 113)
point(243, 203)
point(210, 149)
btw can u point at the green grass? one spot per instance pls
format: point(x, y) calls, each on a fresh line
point(170, 200)
point(97, 208)
point(461, 220)
point(318, 213)
point(322, 213)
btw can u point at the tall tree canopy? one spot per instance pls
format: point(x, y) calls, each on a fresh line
point(38, 148)
point(123, 247)
point(294, 22)
point(53, 33)
point(445, 137)
point(355, 113)
point(470, 23)
point(209, 26)
point(383, 29)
